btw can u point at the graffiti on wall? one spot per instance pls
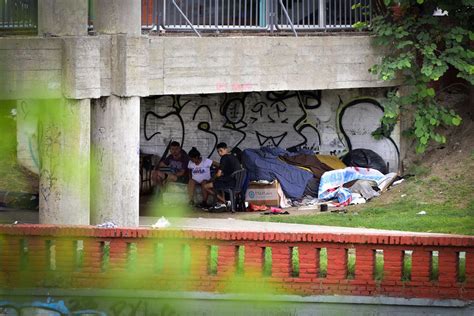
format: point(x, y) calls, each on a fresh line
point(329, 123)
point(357, 120)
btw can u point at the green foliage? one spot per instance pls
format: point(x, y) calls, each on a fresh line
point(420, 48)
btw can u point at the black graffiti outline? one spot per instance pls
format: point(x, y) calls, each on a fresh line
point(151, 113)
point(356, 102)
point(205, 126)
point(265, 138)
point(284, 95)
point(278, 111)
point(302, 97)
point(228, 124)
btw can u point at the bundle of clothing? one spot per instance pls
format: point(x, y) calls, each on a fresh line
point(305, 174)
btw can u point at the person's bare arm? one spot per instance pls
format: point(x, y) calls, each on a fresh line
point(162, 164)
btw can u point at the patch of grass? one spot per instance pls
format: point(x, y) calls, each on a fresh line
point(323, 263)
point(213, 260)
point(351, 263)
point(418, 170)
point(448, 203)
point(379, 265)
point(295, 262)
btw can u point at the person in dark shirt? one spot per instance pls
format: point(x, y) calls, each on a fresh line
point(177, 162)
point(223, 178)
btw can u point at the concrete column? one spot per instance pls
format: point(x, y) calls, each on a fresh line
point(117, 16)
point(64, 150)
point(63, 17)
point(115, 130)
point(27, 135)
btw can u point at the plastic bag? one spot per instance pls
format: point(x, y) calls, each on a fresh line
point(365, 158)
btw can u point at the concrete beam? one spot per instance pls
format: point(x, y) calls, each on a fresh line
point(63, 17)
point(129, 65)
point(115, 160)
point(117, 17)
point(81, 67)
point(64, 147)
point(188, 65)
point(30, 68)
point(141, 66)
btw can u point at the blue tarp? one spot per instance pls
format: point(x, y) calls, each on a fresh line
point(263, 164)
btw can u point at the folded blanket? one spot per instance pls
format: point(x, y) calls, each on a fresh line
point(331, 183)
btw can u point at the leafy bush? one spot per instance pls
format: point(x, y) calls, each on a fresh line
point(420, 48)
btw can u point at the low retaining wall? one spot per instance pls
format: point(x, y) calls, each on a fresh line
point(43, 256)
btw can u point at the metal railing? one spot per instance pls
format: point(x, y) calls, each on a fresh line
point(268, 15)
point(218, 15)
point(214, 14)
point(322, 14)
point(18, 15)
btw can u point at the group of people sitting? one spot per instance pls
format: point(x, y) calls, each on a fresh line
point(194, 170)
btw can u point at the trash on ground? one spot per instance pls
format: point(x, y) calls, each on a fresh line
point(107, 225)
point(397, 182)
point(161, 223)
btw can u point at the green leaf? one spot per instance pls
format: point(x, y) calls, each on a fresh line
point(420, 1)
point(420, 148)
point(456, 121)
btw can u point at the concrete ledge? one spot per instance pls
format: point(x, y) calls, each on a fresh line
point(221, 229)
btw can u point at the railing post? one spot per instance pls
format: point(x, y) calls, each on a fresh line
point(322, 13)
point(216, 15)
point(272, 8)
point(288, 18)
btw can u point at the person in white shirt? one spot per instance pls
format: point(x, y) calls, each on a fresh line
point(200, 170)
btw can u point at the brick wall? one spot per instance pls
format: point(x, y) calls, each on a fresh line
point(45, 256)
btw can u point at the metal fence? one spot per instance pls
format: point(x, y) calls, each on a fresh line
point(18, 15)
point(271, 15)
point(217, 15)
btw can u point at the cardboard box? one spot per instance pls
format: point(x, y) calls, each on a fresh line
point(263, 194)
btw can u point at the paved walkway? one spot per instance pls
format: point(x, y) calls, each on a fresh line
point(229, 222)
point(235, 225)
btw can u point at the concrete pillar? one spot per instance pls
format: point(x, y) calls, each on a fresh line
point(117, 16)
point(64, 150)
point(63, 17)
point(115, 130)
point(27, 135)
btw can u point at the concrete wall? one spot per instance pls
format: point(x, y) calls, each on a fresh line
point(184, 65)
point(328, 121)
point(93, 66)
point(30, 68)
